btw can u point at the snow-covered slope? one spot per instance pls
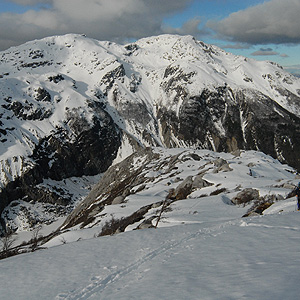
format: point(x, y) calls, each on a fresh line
point(164, 188)
point(70, 105)
point(209, 66)
point(242, 259)
point(202, 248)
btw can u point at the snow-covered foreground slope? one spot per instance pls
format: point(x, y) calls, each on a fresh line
point(251, 258)
point(202, 248)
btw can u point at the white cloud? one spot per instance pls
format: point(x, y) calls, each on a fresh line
point(100, 19)
point(274, 21)
point(41, 20)
point(97, 10)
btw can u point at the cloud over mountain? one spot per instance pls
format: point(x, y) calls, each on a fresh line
point(191, 27)
point(100, 19)
point(274, 21)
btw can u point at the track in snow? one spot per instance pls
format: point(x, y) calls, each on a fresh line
point(98, 283)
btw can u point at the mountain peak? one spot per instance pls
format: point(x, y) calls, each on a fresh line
point(71, 105)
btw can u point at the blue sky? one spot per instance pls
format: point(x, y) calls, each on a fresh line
point(265, 30)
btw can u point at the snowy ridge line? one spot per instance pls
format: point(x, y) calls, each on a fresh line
point(100, 284)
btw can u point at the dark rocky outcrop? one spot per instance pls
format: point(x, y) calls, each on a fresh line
point(271, 129)
point(117, 182)
point(56, 79)
point(58, 156)
point(263, 203)
point(185, 188)
point(245, 196)
point(130, 178)
point(42, 95)
point(226, 120)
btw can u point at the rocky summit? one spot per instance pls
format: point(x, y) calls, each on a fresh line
point(72, 106)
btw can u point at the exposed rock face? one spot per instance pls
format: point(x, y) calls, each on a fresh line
point(183, 189)
point(271, 128)
point(199, 121)
point(58, 156)
point(221, 165)
point(91, 152)
point(248, 120)
point(186, 187)
point(117, 183)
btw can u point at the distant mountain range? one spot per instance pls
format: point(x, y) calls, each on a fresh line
point(71, 106)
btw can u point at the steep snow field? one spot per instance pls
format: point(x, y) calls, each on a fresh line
point(202, 248)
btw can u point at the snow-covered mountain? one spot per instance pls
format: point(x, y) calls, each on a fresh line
point(71, 106)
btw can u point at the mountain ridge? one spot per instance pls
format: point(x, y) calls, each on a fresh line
point(72, 105)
